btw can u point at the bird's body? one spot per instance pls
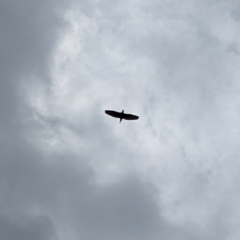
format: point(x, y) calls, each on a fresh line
point(121, 115)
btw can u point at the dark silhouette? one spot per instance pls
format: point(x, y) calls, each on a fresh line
point(121, 115)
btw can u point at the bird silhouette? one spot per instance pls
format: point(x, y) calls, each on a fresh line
point(121, 115)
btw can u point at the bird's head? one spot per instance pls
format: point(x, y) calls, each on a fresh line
point(123, 111)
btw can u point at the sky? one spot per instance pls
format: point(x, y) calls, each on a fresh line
point(69, 171)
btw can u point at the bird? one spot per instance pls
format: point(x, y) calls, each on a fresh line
point(121, 115)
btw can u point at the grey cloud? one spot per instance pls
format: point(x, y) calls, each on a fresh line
point(124, 210)
point(29, 31)
point(28, 34)
point(127, 209)
point(48, 192)
point(235, 13)
point(233, 48)
point(39, 228)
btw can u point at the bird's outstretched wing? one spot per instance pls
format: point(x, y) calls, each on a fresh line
point(113, 113)
point(130, 117)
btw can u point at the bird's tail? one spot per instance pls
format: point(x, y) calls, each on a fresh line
point(120, 120)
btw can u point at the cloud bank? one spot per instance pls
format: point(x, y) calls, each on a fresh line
point(68, 171)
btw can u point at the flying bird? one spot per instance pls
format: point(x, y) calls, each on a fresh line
point(121, 115)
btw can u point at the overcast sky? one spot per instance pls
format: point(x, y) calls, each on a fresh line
point(69, 171)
